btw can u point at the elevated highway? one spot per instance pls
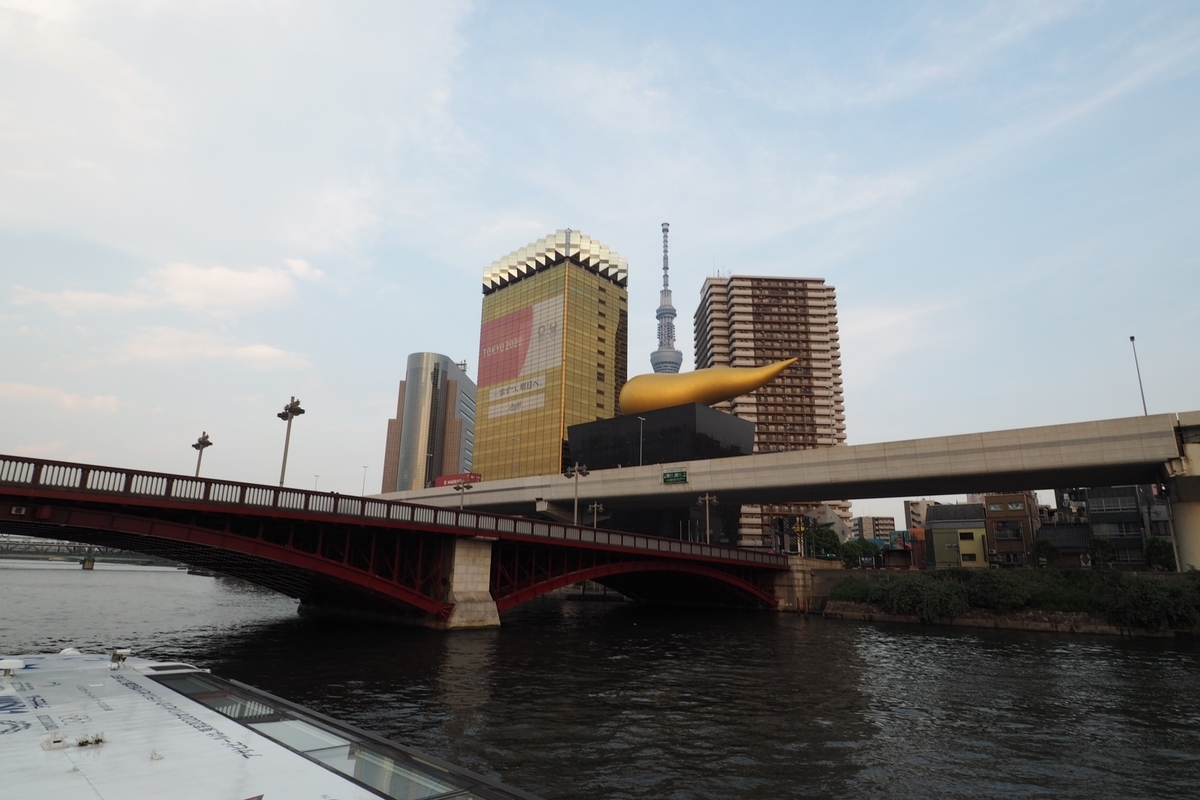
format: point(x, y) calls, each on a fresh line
point(1162, 448)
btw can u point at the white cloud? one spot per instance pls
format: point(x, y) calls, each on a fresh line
point(178, 346)
point(219, 290)
point(49, 394)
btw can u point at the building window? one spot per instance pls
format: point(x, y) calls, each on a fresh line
point(995, 506)
point(966, 536)
point(600, 339)
point(968, 557)
point(1017, 506)
point(1008, 530)
point(599, 376)
point(599, 405)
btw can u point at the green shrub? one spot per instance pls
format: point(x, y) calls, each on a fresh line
point(1000, 590)
point(928, 598)
point(852, 590)
point(1159, 554)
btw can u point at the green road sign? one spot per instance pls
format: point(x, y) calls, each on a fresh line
point(675, 475)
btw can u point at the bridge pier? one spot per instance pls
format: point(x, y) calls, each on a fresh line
point(1185, 507)
point(794, 588)
point(470, 588)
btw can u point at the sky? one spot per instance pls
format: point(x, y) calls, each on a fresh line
point(207, 208)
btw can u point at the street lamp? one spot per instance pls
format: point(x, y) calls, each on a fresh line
point(512, 473)
point(462, 486)
point(364, 486)
point(290, 412)
point(200, 444)
point(707, 500)
point(1133, 344)
point(641, 439)
point(595, 508)
point(576, 471)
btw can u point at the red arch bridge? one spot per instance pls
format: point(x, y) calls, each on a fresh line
point(435, 566)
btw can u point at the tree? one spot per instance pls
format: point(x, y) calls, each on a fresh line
point(853, 551)
point(1045, 553)
point(1159, 554)
point(1103, 552)
point(824, 543)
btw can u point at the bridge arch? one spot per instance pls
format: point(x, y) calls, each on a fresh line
point(375, 578)
point(629, 574)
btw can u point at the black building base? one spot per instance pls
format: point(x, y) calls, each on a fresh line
point(681, 433)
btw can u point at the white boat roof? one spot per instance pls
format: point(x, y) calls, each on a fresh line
point(109, 727)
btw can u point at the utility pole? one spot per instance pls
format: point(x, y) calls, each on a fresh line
point(290, 412)
point(595, 508)
point(707, 499)
point(576, 471)
point(364, 486)
point(200, 444)
point(1138, 367)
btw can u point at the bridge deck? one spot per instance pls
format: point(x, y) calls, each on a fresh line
point(25, 480)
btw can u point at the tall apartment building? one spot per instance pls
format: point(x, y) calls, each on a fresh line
point(748, 321)
point(872, 527)
point(914, 513)
point(553, 351)
point(433, 433)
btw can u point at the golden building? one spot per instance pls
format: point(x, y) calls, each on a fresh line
point(552, 352)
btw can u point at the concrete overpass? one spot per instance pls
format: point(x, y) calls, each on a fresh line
point(1163, 448)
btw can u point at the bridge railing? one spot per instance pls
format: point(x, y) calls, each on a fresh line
point(108, 481)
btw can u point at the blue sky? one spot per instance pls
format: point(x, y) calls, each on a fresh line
point(206, 208)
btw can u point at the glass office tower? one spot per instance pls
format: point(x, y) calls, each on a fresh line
point(433, 433)
point(552, 352)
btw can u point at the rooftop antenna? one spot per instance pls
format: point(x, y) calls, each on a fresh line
point(666, 358)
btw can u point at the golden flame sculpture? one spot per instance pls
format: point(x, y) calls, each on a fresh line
point(706, 386)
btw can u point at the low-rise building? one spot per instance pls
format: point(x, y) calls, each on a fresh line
point(1011, 521)
point(956, 536)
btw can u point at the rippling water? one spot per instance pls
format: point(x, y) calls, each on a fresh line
point(602, 700)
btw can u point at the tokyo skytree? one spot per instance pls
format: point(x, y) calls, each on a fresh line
point(666, 358)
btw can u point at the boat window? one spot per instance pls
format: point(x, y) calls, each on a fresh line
point(388, 770)
point(298, 735)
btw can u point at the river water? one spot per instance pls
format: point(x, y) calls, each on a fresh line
point(597, 700)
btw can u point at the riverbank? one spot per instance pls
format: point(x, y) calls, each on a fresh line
point(1023, 620)
point(1094, 601)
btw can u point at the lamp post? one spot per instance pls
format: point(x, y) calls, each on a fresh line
point(316, 480)
point(707, 500)
point(641, 439)
point(512, 472)
point(595, 508)
point(364, 486)
point(1138, 367)
point(575, 472)
point(290, 412)
point(462, 486)
point(200, 444)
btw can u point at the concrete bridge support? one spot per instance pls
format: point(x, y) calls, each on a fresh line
point(794, 588)
point(1185, 507)
point(470, 586)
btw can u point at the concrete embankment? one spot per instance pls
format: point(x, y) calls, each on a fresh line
point(1022, 620)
